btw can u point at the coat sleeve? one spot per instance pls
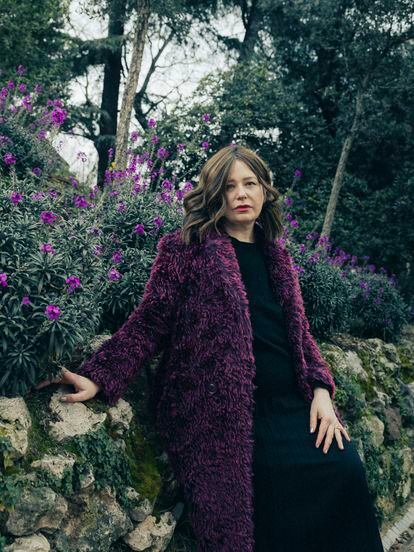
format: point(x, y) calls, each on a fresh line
point(120, 357)
point(319, 373)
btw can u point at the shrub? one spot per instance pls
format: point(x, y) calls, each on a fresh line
point(48, 277)
point(325, 293)
point(378, 308)
point(341, 296)
point(26, 130)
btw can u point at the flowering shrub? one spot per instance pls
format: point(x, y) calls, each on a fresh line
point(27, 128)
point(48, 277)
point(74, 260)
point(342, 295)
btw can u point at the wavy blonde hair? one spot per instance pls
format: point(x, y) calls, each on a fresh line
point(205, 205)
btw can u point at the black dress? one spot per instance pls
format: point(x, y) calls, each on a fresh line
point(304, 500)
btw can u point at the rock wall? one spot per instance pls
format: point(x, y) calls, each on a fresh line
point(82, 476)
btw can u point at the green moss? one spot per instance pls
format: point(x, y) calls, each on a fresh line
point(407, 364)
point(40, 442)
point(146, 477)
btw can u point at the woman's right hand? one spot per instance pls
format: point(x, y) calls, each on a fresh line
point(85, 388)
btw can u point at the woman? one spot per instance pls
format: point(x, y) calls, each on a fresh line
point(241, 389)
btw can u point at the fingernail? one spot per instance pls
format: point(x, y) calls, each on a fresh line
point(63, 399)
point(312, 429)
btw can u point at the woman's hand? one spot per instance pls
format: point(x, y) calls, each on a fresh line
point(85, 388)
point(322, 408)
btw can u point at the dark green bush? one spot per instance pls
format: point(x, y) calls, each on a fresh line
point(30, 340)
point(378, 308)
point(326, 294)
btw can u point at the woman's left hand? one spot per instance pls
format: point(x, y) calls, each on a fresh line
point(322, 408)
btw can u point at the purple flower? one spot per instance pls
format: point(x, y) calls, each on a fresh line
point(167, 184)
point(9, 158)
point(52, 312)
point(139, 229)
point(41, 135)
point(16, 197)
point(25, 300)
point(21, 70)
point(58, 116)
point(121, 207)
point(80, 201)
point(10, 85)
point(73, 282)
point(110, 153)
point(294, 223)
point(98, 250)
point(158, 221)
point(4, 93)
point(117, 257)
point(162, 153)
point(180, 147)
point(27, 102)
point(206, 117)
point(302, 248)
point(4, 140)
point(154, 139)
point(134, 136)
point(299, 268)
point(152, 123)
point(53, 193)
point(298, 173)
point(36, 196)
point(73, 181)
point(48, 217)
point(47, 248)
point(21, 87)
point(38, 88)
point(288, 201)
point(3, 279)
point(179, 194)
point(187, 186)
point(37, 171)
point(165, 196)
point(205, 145)
point(113, 274)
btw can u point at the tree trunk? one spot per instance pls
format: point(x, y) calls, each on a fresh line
point(143, 10)
point(343, 160)
point(110, 93)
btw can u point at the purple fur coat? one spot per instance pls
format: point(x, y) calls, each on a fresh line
point(195, 310)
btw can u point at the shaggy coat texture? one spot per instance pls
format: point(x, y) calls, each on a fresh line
point(195, 311)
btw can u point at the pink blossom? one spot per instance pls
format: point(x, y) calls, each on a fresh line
point(48, 217)
point(52, 312)
point(3, 279)
point(16, 197)
point(113, 274)
point(9, 158)
point(117, 257)
point(139, 229)
point(47, 248)
point(73, 282)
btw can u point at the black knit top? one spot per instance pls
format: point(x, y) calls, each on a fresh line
point(274, 367)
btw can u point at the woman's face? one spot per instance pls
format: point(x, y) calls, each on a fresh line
point(243, 188)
